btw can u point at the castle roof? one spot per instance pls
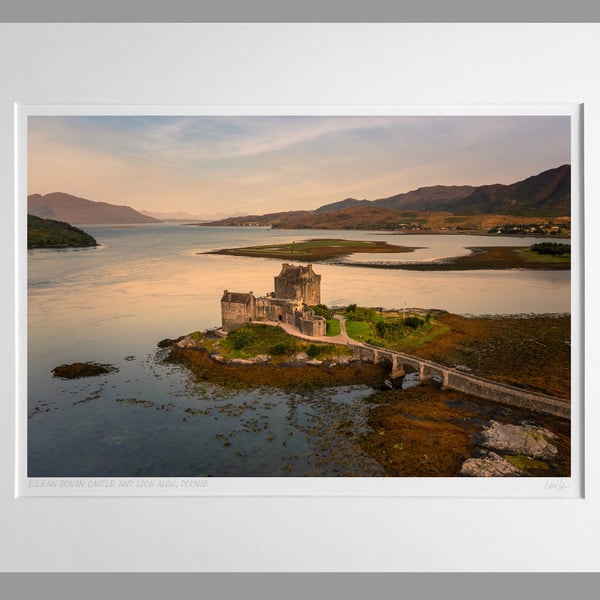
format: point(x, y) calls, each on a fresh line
point(295, 271)
point(236, 297)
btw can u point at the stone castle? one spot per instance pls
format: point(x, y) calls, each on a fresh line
point(297, 288)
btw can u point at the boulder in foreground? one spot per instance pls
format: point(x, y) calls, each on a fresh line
point(523, 439)
point(492, 465)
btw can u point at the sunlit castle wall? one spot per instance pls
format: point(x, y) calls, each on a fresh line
point(293, 277)
point(237, 309)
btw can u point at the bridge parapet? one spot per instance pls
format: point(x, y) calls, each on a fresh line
point(470, 384)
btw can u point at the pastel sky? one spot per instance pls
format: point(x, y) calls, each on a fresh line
point(254, 165)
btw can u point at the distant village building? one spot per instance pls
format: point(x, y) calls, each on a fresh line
point(297, 288)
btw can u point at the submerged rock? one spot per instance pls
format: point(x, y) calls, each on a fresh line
point(491, 465)
point(525, 439)
point(76, 370)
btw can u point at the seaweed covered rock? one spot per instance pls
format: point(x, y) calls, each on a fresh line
point(78, 369)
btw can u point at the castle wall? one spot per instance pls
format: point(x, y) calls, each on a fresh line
point(263, 310)
point(315, 326)
point(281, 310)
point(309, 324)
point(237, 310)
point(234, 316)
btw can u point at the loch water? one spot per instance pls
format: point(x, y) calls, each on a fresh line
point(113, 303)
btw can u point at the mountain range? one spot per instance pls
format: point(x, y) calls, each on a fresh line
point(65, 207)
point(547, 194)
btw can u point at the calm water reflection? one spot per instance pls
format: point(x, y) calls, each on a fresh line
point(112, 304)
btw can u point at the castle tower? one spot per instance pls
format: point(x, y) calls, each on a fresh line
point(296, 279)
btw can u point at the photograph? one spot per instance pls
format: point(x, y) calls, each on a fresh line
point(299, 295)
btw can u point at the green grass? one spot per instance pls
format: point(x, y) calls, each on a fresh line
point(315, 249)
point(333, 327)
point(530, 256)
point(419, 337)
point(306, 246)
point(257, 339)
point(408, 338)
point(359, 330)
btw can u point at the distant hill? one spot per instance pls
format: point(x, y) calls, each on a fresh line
point(436, 197)
point(547, 194)
point(64, 207)
point(46, 233)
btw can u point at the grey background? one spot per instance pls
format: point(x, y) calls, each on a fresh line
point(300, 11)
point(295, 586)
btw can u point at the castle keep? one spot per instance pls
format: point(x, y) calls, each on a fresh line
point(296, 289)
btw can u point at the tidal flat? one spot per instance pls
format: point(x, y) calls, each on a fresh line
point(426, 431)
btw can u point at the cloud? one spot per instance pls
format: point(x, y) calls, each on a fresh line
point(261, 164)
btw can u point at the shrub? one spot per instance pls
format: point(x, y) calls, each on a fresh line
point(313, 351)
point(239, 338)
point(280, 349)
point(551, 248)
point(359, 313)
point(322, 310)
point(413, 322)
point(390, 330)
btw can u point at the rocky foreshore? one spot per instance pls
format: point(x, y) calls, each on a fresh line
point(297, 371)
point(296, 360)
point(415, 431)
point(523, 445)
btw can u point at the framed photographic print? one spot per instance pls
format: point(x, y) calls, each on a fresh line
point(386, 344)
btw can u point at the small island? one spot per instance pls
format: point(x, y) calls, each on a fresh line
point(545, 255)
point(316, 250)
point(542, 256)
point(46, 233)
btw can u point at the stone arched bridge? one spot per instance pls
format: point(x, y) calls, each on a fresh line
point(450, 377)
point(453, 379)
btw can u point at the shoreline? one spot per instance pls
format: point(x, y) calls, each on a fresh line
point(473, 232)
point(481, 258)
point(421, 431)
point(526, 351)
